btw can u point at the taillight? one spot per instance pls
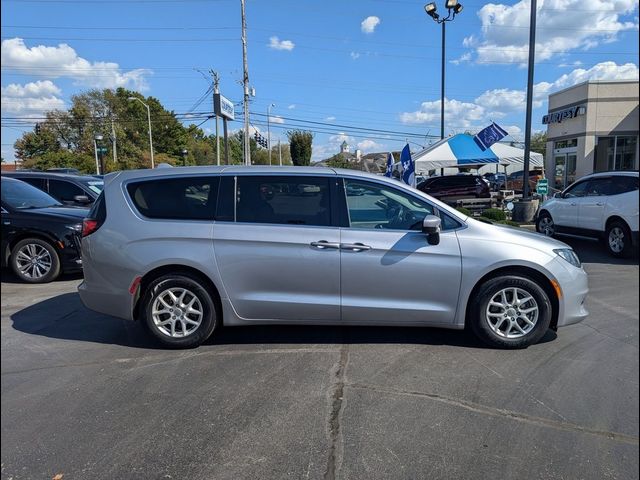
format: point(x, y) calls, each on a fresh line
point(89, 225)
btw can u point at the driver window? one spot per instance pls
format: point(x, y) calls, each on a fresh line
point(577, 190)
point(377, 206)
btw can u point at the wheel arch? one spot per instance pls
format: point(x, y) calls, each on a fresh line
point(177, 269)
point(615, 218)
point(25, 235)
point(520, 271)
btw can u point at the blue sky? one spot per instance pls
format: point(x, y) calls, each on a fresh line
point(368, 64)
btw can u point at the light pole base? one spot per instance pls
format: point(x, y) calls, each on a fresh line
point(524, 211)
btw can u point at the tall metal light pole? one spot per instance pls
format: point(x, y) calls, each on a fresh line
point(216, 90)
point(269, 129)
point(96, 139)
point(153, 165)
point(527, 128)
point(245, 83)
point(453, 8)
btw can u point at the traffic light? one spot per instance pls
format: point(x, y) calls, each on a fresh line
point(37, 129)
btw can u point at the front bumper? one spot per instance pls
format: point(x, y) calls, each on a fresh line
point(575, 287)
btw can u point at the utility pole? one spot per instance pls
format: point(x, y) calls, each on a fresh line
point(279, 151)
point(113, 141)
point(269, 129)
point(245, 82)
point(527, 128)
point(216, 90)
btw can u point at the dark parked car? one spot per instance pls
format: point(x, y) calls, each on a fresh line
point(450, 187)
point(74, 190)
point(497, 181)
point(70, 171)
point(40, 236)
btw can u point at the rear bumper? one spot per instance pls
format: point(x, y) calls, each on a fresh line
point(117, 304)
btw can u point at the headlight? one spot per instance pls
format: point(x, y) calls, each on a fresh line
point(76, 228)
point(569, 255)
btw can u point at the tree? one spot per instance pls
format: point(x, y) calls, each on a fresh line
point(539, 143)
point(338, 161)
point(300, 146)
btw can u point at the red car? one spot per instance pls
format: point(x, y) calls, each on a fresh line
point(451, 187)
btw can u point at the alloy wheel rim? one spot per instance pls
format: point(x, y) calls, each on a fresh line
point(616, 239)
point(33, 261)
point(177, 312)
point(512, 313)
point(546, 226)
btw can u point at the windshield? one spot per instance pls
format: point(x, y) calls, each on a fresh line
point(20, 195)
point(96, 186)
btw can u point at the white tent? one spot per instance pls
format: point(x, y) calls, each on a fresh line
point(460, 151)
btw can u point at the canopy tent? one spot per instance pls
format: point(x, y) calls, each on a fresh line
point(461, 151)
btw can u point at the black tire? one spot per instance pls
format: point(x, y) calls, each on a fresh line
point(543, 226)
point(33, 274)
point(195, 287)
point(622, 246)
point(481, 325)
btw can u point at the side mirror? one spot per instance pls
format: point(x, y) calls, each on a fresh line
point(557, 195)
point(431, 226)
point(81, 199)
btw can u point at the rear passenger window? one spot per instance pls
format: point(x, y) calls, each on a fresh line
point(283, 200)
point(190, 198)
point(620, 184)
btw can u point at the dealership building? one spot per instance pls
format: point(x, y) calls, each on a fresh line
point(591, 127)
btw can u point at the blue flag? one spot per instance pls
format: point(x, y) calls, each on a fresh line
point(490, 135)
point(408, 167)
point(389, 171)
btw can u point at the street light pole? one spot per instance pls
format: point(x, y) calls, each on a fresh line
point(527, 128)
point(269, 129)
point(453, 9)
point(96, 139)
point(442, 84)
point(150, 134)
point(245, 82)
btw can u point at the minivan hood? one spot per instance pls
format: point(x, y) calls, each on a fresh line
point(515, 235)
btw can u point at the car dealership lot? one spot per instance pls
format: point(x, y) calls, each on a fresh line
point(91, 396)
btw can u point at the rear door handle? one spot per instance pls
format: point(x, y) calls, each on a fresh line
point(322, 244)
point(573, 204)
point(356, 247)
point(600, 204)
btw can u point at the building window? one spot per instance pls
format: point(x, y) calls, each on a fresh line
point(615, 153)
point(573, 142)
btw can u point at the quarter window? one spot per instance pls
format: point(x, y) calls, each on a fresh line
point(377, 206)
point(283, 200)
point(190, 198)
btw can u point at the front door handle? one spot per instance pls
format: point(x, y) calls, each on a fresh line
point(600, 204)
point(322, 244)
point(356, 247)
point(573, 204)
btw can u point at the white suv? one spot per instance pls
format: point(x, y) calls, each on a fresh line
point(603, 205)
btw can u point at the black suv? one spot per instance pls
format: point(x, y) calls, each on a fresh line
point(40, 236)
point(450, 187)
point(73, 190)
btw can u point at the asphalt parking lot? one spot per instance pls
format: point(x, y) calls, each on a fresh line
point(90, 396)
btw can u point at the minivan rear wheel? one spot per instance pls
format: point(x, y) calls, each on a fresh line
point(510, 312)
point(179, 311)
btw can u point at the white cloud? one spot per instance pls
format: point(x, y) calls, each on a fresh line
point(354, 55)
point(460, 114)
point(330, 119)
point(562, 25)
point(498, 103)
point(292, 106)
point(31, 99)
point(63, 61)
point(276, 119)
point(369, 24)
point(464, 58)
point(368, 145)
point(276, 44)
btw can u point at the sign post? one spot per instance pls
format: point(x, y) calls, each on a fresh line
point(224, 108)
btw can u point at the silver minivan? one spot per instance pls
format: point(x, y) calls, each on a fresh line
point(188, 250)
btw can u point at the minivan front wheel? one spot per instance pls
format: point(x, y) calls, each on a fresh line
point(510, 312)
point(179, 311)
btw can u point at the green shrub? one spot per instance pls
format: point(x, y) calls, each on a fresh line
point(464, 211)
point(494, 214)
point(484, 220)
